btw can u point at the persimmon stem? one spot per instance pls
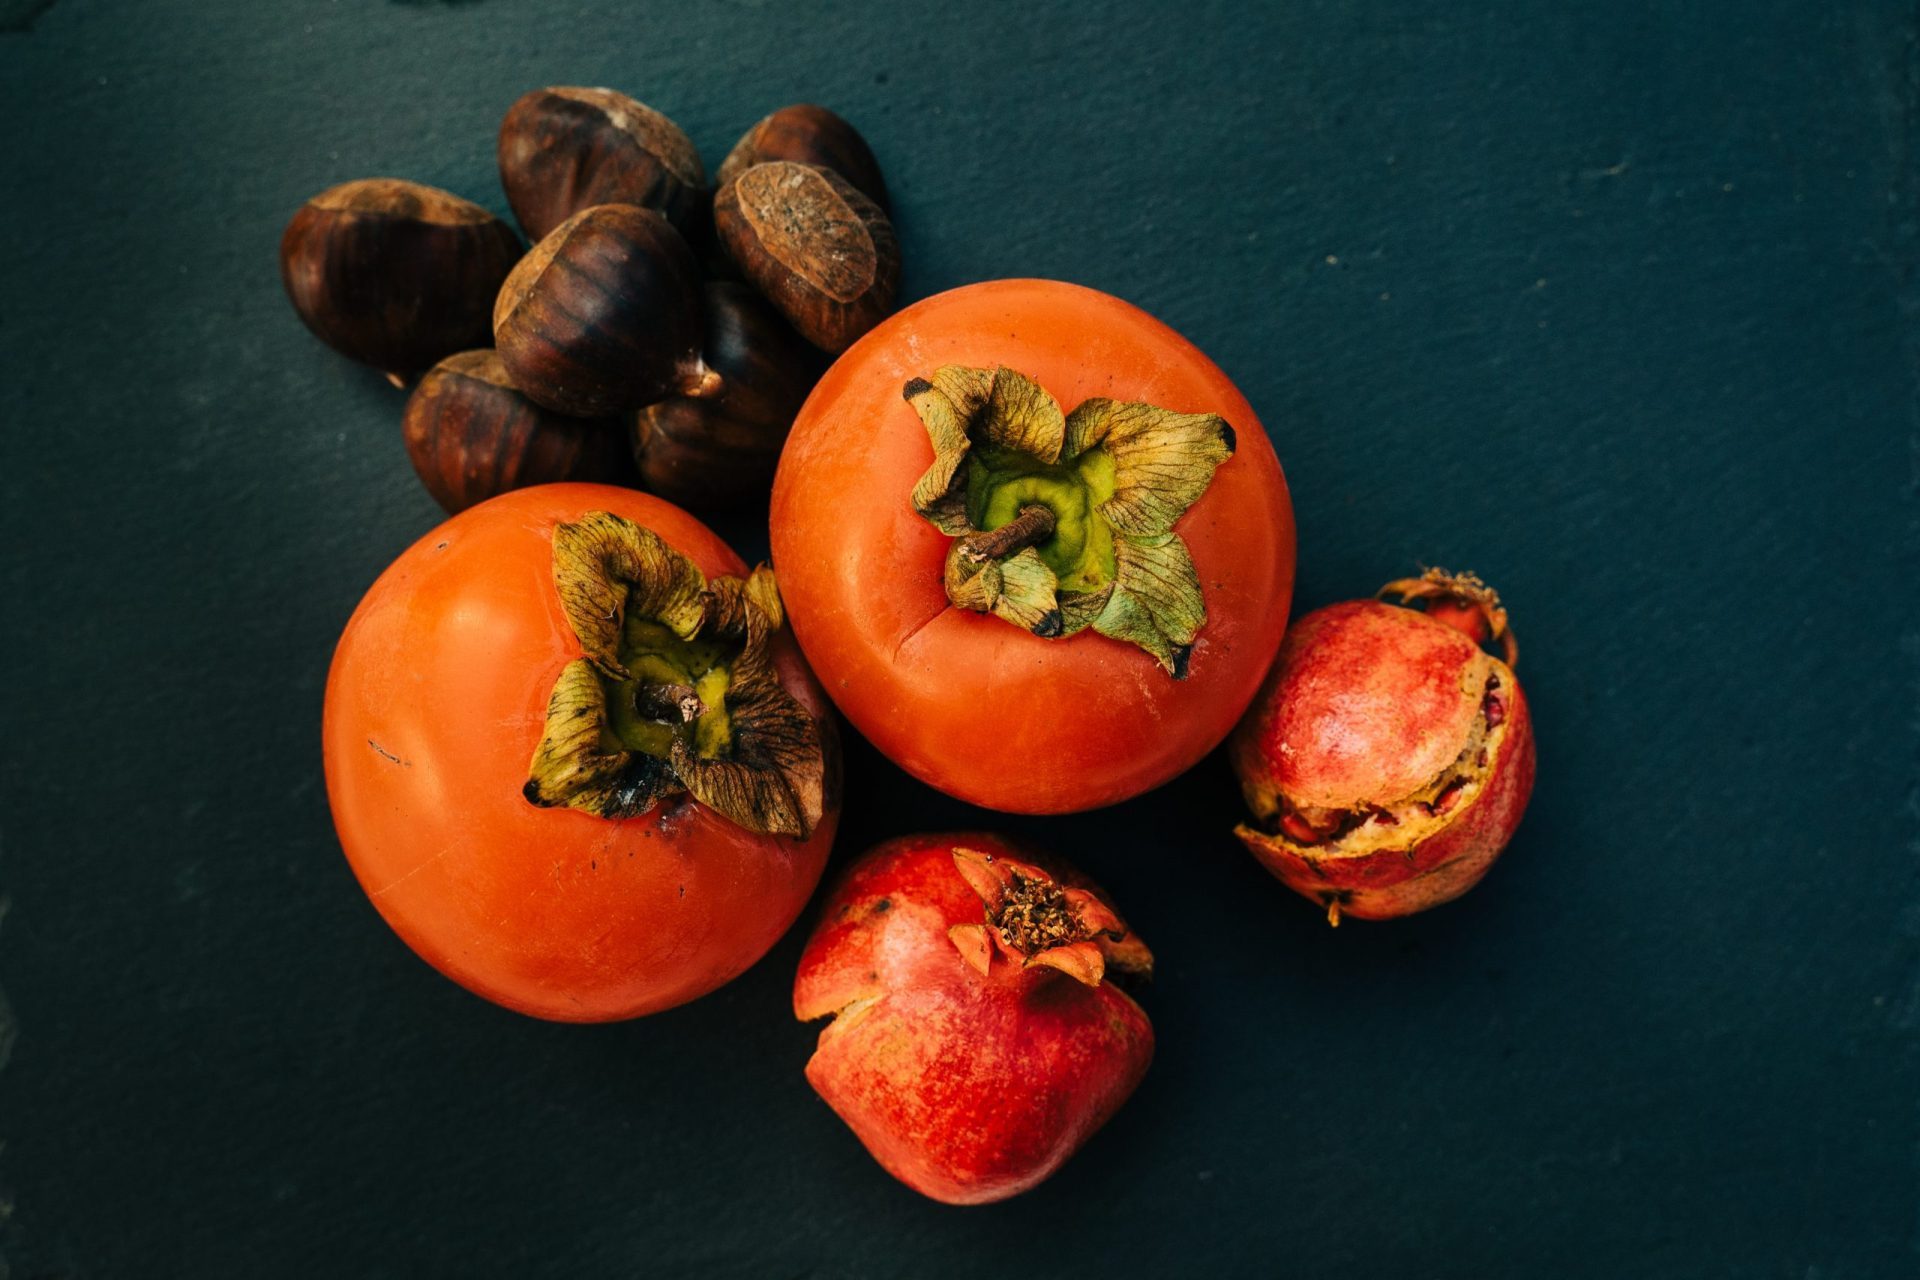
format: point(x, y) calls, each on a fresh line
point(668, 703)
point(1034, 525)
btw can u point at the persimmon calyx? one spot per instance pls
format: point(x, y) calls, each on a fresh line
point(1063, 522)
point(676, 691)
point(1461, 601)
point(1032, 919)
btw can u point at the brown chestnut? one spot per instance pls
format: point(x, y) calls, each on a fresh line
point(816, 247)
point(564, 149)
point(471, 436)
point(718, 449)
point(395, 274)
point(603, 315)
point(807, 134)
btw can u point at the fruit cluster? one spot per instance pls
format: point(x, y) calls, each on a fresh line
point(659, 332)
point(1030, 542)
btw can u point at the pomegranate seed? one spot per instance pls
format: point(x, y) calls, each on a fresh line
point(1296, 826)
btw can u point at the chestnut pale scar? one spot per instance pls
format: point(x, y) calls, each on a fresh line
point(801, 220)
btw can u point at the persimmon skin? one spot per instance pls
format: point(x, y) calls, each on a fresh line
point(964, 701)
point(435, 702)
point(967, 1088)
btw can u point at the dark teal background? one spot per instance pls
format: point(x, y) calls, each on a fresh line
point(1613, 303)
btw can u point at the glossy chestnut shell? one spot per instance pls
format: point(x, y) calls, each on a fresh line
point(807, 134)
point(471, 436)
point(395, 274)
point(565, 149)
point(603, 315)
point(719, 450)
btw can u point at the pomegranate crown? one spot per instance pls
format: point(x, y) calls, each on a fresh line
point(1460, 601)
point(1032, 919)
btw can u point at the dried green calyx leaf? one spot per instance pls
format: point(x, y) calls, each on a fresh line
point(677, 690)
point(1064, 522)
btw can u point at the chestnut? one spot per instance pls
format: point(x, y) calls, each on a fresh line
point(718, 450)
point(807, 134)
point(395, 274)
point(816, 247)
point(564, 149)
point(471, 436)
point(603, 315)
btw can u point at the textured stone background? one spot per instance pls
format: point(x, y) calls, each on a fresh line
point(1613, 303)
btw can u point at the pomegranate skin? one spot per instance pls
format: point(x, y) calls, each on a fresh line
point(1368, 703)
point(967, 1088)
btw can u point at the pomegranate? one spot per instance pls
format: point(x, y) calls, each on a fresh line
point(1389, 756)
point(977, 1039)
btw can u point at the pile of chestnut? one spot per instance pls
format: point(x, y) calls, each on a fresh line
point(660, 332)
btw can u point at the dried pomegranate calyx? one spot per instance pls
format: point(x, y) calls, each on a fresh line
point(1032, 919)
point(1463, 602)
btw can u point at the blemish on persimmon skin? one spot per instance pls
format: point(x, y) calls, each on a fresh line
point(388, 755)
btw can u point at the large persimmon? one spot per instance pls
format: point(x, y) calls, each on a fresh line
point(573, 756)
point(1035, 545)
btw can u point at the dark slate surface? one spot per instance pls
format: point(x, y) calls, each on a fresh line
point(1613, 303)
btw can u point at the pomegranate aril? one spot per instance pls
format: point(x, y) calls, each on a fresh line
point(1297, 827)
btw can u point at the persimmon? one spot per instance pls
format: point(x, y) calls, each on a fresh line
point(573, 756)
point(1035, 545)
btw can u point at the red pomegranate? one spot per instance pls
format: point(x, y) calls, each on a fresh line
point(1389, 756)
point(976, 1040)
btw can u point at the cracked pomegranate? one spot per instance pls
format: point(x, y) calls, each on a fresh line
point(1390, 756)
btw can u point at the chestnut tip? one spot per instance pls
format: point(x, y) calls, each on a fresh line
point(714, 444)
